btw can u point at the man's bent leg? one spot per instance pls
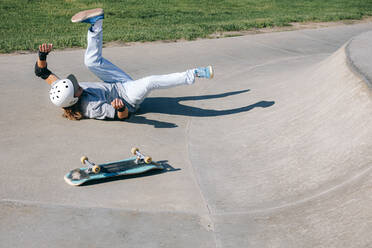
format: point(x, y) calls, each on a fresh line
point(101, 67)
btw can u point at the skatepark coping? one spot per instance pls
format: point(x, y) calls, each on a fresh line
point(359, 54)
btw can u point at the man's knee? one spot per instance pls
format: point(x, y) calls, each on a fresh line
point(90, 62)
point(150, 82)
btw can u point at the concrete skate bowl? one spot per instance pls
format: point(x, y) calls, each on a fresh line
point(299, 170)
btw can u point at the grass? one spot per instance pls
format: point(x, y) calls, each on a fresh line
point(27, 23)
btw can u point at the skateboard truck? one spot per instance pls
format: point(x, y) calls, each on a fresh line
point(91, 166)
point(140, 157)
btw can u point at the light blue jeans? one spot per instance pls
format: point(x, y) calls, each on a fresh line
point(135, 91)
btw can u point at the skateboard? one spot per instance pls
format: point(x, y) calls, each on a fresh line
point(134, 165)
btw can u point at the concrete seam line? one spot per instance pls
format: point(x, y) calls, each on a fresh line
point(217, 242)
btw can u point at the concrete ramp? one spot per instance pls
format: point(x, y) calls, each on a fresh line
point(314, 138)
point(296, 174)
point(275, 151)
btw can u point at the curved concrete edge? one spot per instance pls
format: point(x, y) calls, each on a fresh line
point(359, 56)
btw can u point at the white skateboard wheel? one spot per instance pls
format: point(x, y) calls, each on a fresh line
point(134, 150)
point(83, 159)
point(96, 169)
point(148, 160)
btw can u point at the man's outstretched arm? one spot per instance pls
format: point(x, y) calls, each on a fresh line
point(41, 69)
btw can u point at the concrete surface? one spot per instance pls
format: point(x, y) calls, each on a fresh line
point(273, 152)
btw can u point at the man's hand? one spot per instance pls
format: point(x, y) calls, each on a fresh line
point(45, 48)
point(122, 111)
point(117, 103)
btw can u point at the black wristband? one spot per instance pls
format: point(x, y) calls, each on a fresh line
point(43, 55)
point(44, 73)
point(121, 109)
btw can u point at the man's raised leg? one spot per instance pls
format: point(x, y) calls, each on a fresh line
point(93, 59)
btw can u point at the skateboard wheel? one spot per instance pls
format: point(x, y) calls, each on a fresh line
point(83, 159)
point(96, 169)
point(134, 150)
point(148, 160)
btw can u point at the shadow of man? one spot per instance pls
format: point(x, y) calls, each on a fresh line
point(172, 106)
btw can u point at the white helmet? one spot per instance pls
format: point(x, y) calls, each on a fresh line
point(62, 92)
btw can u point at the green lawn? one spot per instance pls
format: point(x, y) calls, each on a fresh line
point(27, 23)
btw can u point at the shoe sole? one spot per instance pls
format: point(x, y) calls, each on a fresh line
point(211, 72)
point(86, 14)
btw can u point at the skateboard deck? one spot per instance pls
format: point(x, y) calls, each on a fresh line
point(134, 165)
